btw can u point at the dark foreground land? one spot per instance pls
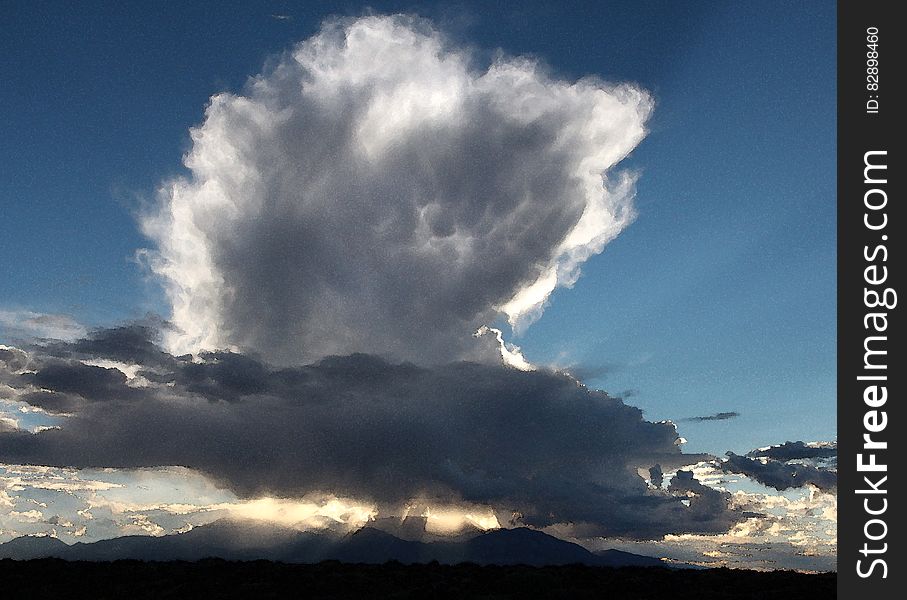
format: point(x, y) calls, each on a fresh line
point(215, 578)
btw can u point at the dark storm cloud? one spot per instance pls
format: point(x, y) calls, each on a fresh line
point(61, 386)
point(55, 403)
point(12, 359)
point(131, 343)
point(780, 475)
point(538, 443)
point(705, 502)
point(74, 377)
point(656, 475)
point(722, 416)
point(376, 191)
point(795, 451)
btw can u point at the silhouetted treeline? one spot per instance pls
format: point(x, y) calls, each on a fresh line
point(216, 578)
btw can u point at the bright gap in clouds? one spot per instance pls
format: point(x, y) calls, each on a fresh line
point(375, 190)
point(91, 504)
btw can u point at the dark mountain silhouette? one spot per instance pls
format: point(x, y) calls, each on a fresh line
point(527, 547)
point(32, 546)
point(215, 578)
point(619, 558)
point(497, 547)
point(373, 546)
point(232, 540)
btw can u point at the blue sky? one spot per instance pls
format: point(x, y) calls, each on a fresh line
point(720, 297)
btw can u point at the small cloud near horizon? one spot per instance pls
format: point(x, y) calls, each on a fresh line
point(722, 416)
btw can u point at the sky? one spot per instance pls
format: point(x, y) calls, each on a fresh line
point(705, 287)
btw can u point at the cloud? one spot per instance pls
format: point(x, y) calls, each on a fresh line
point(28, 516)
point(134, 343)
point(797, 451)
point(87, 381)
point(8, 424)
point(363, 428)
point(87, 504)
point(779, 474)
point(585, 372)
point(511, 355)
point(793, 530)
point(722, 416)
point(377, 190)
point(12, 359)
point(26, 324)
point(351, 226)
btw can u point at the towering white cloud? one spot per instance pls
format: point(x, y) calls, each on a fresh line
point(375, 190)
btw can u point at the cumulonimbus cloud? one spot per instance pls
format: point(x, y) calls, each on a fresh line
point(376, 190)
point(350, 221)
point(535, 443)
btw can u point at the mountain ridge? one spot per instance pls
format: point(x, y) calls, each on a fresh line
point(231, 540)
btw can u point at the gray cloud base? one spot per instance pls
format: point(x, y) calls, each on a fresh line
point(536, 443)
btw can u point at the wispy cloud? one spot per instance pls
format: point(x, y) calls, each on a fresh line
point(26, 324)
point(721, 416)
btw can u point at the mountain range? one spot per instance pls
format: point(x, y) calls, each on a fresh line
point(234, 540)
